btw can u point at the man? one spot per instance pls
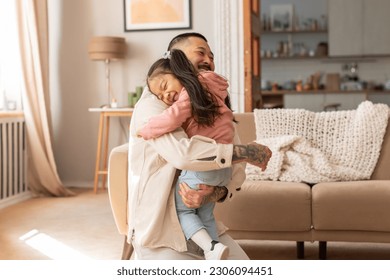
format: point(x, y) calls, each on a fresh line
point(154, 229)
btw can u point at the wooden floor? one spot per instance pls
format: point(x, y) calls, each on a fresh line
point(82, 227)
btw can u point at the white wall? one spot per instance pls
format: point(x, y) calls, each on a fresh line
point(78, 83)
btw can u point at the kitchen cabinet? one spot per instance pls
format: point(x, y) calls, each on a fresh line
point(380, 97)
point(317, 101)
point(376, 32)
point(358, 27)
point(309, 101)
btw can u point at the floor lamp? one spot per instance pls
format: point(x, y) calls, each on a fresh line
point(107, 49)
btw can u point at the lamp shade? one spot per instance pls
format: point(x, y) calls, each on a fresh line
point(107, 48)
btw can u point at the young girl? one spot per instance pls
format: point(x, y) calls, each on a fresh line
point(199, 103)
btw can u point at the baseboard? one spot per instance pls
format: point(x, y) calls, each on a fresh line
point(15, 199)
point(27, 195)
point(78, 184)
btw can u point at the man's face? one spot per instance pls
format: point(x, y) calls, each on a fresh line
point(199, 53)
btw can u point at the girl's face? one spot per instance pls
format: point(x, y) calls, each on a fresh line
point(166, 87)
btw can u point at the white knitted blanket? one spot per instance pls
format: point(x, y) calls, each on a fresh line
point(320, 147)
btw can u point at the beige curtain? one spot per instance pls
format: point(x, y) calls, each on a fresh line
point(42, 176)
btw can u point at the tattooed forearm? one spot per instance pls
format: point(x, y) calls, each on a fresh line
point(240, 153)
point(218, 195)
point(253, 153)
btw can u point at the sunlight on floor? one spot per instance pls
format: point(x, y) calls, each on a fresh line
point(51, 247)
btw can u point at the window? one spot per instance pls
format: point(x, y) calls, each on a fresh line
point(10, 69)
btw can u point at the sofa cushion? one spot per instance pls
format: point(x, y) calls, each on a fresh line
point(359, 205)
point(268, 206)
point(381, 171)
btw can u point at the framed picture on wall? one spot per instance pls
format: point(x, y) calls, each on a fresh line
point(144, 15)
point(281, 17)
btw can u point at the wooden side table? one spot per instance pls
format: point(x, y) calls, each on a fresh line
point(102, 145)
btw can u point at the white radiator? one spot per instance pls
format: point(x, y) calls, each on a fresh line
point(13, 161)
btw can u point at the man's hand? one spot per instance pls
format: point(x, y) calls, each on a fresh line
point(195, 198)
point(253, 153)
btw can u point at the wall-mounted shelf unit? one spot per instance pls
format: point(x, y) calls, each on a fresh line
point(297, 44)
point(267, 32)
point(281, 92)
point(350, 31)
point(317, 100)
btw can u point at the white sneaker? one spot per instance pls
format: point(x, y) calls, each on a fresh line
point(220, 252)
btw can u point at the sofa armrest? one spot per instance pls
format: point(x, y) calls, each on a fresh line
point(117, 185)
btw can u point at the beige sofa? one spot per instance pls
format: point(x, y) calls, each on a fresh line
point(356, 211)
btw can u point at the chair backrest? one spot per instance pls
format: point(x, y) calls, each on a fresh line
point(117, 186)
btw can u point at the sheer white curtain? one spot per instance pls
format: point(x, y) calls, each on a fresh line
point(32, 21)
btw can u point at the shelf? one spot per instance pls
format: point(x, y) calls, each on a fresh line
point(294, 57)
point(293, 31)
point(273, 105)
point(330, 59)
point(294, 48)
point(282, 92)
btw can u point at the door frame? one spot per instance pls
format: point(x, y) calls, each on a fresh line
point(252, 60)
point(233, 45)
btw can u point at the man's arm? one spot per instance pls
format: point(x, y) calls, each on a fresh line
point(253, 153)
point(218, 195)
point(238, 177)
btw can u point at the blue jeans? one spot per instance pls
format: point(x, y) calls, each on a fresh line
point(192, 220)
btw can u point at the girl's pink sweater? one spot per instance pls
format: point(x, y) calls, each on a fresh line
point(180, 114)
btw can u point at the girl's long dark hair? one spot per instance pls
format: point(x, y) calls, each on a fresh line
point(203, 104)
